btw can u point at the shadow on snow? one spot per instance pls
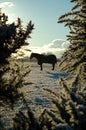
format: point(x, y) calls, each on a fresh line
point(57, 75)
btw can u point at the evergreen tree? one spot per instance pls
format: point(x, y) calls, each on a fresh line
point(69, 112)
point(73, 60)
point(12, 37)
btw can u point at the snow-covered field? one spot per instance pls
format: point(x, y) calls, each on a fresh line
point(35, 94)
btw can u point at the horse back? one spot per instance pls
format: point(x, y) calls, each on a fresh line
point(49, 58)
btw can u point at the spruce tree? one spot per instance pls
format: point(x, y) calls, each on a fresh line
point(69, 112)
point(12, 37)
point(73, 60)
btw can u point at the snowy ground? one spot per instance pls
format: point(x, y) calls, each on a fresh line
point(37, 98)
point(35, 94)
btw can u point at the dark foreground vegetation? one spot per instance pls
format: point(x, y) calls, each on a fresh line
point(69, 105)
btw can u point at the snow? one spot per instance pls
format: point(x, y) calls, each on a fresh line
point(35, 94)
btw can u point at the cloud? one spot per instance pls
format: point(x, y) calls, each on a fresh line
point(6, 4)
point(58, 43)
point(57, 47)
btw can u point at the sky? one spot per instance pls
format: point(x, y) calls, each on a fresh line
point(44, 15)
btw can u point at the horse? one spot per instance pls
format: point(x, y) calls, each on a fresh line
point(42, 58)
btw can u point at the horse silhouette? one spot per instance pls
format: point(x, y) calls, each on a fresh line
point(42, 58)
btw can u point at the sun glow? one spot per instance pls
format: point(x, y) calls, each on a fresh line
point(56, 47)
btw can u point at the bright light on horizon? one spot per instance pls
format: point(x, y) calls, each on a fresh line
point(55, 48)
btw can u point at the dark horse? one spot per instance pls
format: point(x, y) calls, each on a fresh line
point(42, 58)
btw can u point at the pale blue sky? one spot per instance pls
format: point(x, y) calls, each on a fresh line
point(43, 13)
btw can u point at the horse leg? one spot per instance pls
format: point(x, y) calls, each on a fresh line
point(53, 66)
point(41, 67)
